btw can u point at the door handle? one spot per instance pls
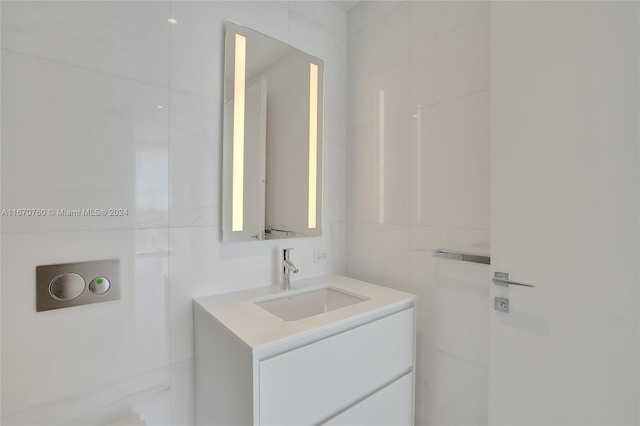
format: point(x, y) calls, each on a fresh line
point(502, 278)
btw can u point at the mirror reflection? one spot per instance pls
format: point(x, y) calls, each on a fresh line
point(272, 139)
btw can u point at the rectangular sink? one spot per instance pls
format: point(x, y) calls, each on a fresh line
point(297, 306)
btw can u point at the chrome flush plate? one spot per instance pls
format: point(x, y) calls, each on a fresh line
point(73, 284)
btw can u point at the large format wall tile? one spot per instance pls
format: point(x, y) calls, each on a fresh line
point(52, 354)
point(379, 254)
point(77, 139)
point(366, 12)
point(195, 152)
point(334, 165)
point(451, 163)
point(322, 12)
point(197, 39)
point(452, 391)
point(379, 67)
point(450, 50)
point(378, 189)
point(130, 40)
point(363, 197)
point(454, 301)
point(146, 396)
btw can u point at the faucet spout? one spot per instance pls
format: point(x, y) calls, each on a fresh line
point(290, 266)
point(287, 268)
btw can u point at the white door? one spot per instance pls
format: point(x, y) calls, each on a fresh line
point(565, 125)
point(255, 159)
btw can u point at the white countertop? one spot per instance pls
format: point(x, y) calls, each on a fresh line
point(261, 330)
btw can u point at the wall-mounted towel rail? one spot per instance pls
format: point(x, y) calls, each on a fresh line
point(465, 257)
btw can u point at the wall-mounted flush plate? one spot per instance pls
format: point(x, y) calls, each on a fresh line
point(73, 284)
point(501, 304)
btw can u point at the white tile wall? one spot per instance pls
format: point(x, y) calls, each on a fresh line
point(130, 41)
point(54, 354)
point(379, 254)
point(359, 17)
point(418, 179)
point(334, 196)
point(450, 50)
point(451, 161)
point(379, 65)
point(147, 396)
point(109, 105)
point(81, 139)
point(195, 129)
point(379, 177)
point(453, 306)
point(333, 18)
point(451, 391)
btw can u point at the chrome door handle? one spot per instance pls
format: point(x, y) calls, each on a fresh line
point(502, 278)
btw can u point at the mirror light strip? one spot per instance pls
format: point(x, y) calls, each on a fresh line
point(313, 143)
point(238, 135)
point(381, 178)
point(418, 159)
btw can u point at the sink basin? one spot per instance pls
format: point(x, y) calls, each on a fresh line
point(297, 306)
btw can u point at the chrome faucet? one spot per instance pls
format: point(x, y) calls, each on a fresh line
point(287, 268)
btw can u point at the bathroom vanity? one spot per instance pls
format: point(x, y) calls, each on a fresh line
point(332, 350)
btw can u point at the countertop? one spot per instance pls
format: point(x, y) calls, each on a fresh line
point(263, 331)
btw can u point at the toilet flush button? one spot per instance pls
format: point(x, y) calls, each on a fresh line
point(66, 286)
point(99, 285)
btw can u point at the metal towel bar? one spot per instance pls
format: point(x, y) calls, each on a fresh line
point(465, 257)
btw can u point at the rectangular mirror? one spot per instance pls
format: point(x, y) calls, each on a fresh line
point(272, 139)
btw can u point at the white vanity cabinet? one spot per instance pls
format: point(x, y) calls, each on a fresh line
point(391, 405)
point(349, 368)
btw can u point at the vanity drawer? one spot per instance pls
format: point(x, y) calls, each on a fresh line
point(310, 384)
point(390, 406)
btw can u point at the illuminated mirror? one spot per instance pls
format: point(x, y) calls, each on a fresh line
point(272, 139)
